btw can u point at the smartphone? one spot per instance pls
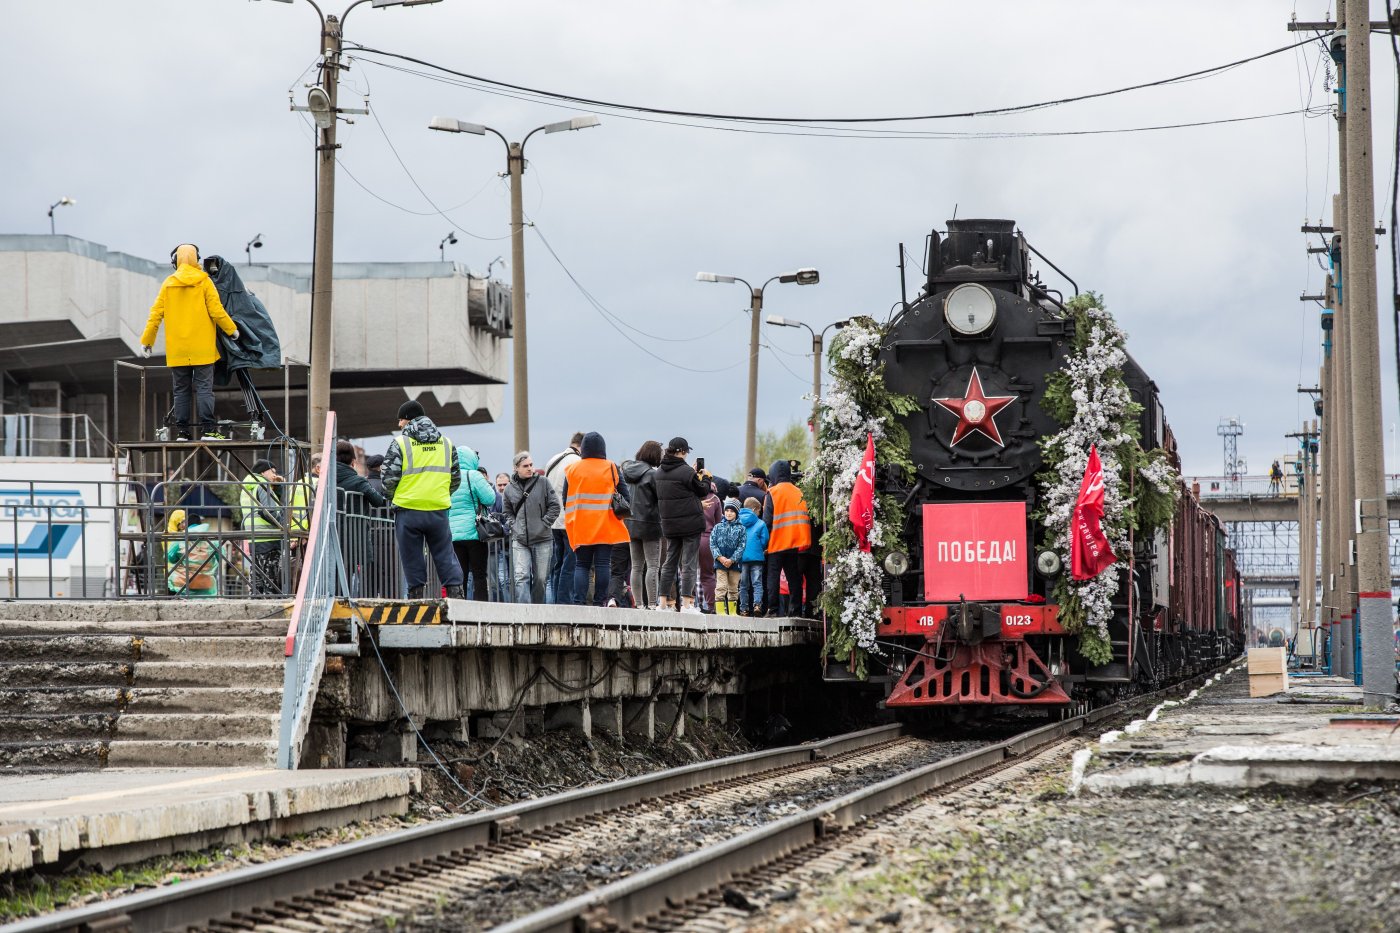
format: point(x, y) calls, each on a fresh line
point(699, 464)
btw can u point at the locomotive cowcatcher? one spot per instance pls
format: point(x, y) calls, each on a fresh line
point(969, 618)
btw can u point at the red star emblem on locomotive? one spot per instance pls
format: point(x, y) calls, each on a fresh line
point(976, 411)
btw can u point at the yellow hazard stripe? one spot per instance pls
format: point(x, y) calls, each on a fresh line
point(398, 613)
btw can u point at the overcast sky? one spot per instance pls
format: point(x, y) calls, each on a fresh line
point(167, 120)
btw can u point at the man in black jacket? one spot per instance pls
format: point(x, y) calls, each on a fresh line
point(678, 494)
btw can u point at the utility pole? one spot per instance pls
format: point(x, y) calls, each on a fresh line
point(1342, 656)
point(751, 410)
point(515, 168)
point(318, 389)
point(805, 276)
point(1372, 517)
point(520, 357)
point(1325, 500)
point(816, 392)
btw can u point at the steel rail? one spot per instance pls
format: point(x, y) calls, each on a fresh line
point(197, 903)
point(638, 898)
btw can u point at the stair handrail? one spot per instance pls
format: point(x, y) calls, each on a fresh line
point(305, 647)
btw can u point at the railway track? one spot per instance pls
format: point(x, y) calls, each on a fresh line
point(704, 889)
point(487, 868)
point(489, 854)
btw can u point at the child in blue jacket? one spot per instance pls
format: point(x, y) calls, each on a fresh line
point(752, 560)
point(727, 547)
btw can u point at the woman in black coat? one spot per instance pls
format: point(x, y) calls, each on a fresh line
point(678, 494)
point(644, 525)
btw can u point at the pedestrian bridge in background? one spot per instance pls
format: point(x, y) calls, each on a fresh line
point(1253, 499)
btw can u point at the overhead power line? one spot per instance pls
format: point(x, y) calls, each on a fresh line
point(913, 118)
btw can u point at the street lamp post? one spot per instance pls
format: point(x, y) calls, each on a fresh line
point(515, 167)
point(449, 240)
point(64, 201)
point(322, 103)
point(817, 339)
point(254, 243)
point(800, 277)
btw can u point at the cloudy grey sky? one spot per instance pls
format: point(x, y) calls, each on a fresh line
point(168, 121)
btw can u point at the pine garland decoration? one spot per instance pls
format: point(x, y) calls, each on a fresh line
point(1091, 399)
point(853, 595)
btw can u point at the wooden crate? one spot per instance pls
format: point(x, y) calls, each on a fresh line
point(1268, 661)
point(1266, 685)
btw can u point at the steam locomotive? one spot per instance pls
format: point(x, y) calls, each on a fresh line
point(970, 617)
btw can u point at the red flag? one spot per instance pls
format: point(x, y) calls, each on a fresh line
point(862, 511)
point(1089, 552)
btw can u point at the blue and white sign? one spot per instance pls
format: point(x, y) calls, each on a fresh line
point(56, 526)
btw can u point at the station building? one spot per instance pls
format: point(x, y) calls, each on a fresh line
point(72, 312)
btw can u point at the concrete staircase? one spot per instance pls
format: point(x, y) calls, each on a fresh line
point(80, 689)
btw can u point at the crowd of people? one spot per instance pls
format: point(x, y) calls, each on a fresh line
point(651, 532)
point(655, 531)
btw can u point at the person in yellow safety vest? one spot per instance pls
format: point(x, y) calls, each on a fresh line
point(420, 474)
point(189, 305)
point(303, 498)
point(264, 519)
point(789, 534)
point(592, 526)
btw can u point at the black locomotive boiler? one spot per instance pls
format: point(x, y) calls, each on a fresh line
point(971, 619)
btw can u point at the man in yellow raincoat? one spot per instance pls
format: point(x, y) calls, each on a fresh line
point(189, 304)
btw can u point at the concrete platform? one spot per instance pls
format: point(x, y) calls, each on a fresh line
point(1315, 732)
point(469, 624)
point(121, 815)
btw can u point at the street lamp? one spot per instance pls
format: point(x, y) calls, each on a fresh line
point(515, 166)
point(817, 338)
point(800, 277)
point(64, 201)
point(449, 240)
point(254, 243)
point(321, 102)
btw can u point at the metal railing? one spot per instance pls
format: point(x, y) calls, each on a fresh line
point(305, 648)
point(41, 434)
point(1260, 486)
point(113, 539)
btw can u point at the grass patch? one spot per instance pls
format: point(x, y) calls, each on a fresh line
point(33, 893)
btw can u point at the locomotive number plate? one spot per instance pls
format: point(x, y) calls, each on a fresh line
point(1020, 621)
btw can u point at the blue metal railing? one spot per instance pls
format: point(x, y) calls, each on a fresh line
point(311, 613)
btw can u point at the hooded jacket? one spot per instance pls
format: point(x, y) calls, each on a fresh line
point(678, 495)
point(755, 537)
point(471, 495)
point(645, 523)
point(423, 430)
point(257, 346)
point(588, 520)
point(781, 474)
point(189, 305)
point(727, 540)
point(532, 506)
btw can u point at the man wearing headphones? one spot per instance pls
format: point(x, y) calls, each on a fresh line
point(189, 305)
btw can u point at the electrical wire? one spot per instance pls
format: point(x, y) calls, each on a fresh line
point(392, 148)
point(868, 133)
point(612, 320)
point(748, 118)
point(779, 360)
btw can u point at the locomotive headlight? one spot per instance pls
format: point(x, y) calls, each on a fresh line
point(970, 309)
point(1048, 563)
point(896, 563)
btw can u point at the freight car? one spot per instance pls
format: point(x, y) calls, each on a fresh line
point(970, 618)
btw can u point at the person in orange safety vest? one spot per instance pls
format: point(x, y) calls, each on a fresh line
point(589, 521)
point(789, 534)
